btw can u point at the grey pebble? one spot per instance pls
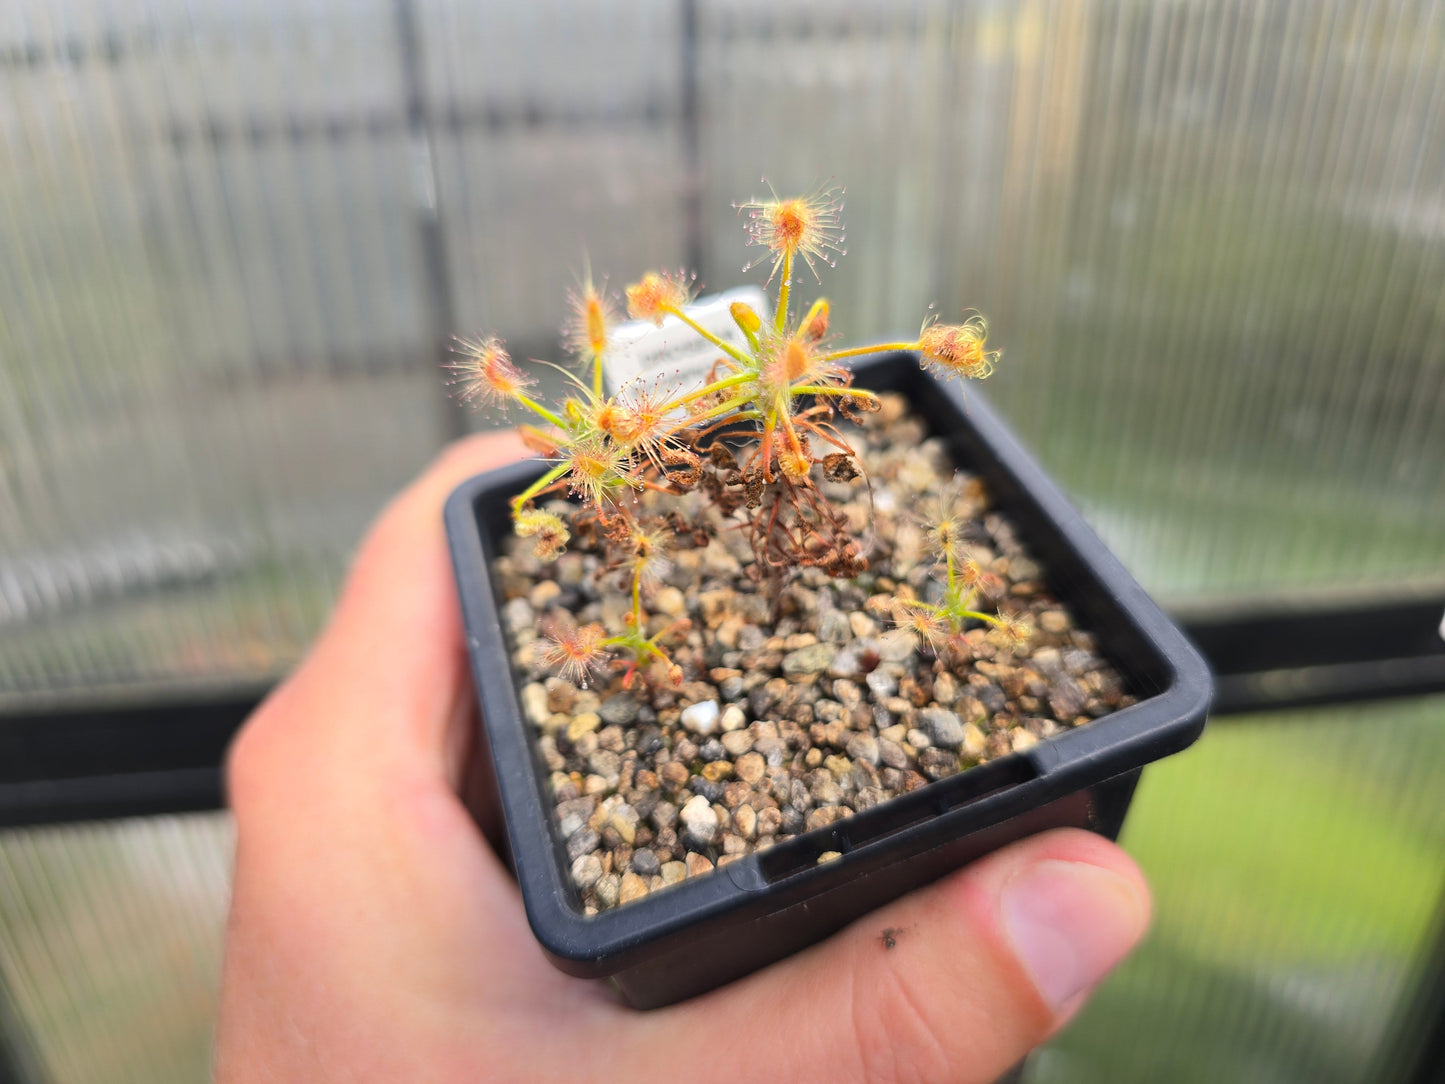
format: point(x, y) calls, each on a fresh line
point(1046, 660)
point(847, 664)
point(518, 614)
point(798, 796)
point(664, 815)
point(864, 747)
point(773, 750)
point(813, 659)
point(760, 701)
point(891, 754)
point(991, 697)
point(583, 841)
point(868, 797)
point(942, 726)
point(712, 790)
point(833, 627)
point(1067, 700)
point(751, 638)
point(619, 710)
point(607, 764)
point(937, 763)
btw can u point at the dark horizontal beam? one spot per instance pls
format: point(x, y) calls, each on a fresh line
point(97, 760)
point(106, 797)
point(1319, 686)
point(90, 761)
point(1302, 656)
point(1286, 637)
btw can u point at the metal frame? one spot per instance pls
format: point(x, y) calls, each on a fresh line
point(93, 760)
point(1296, 656)
point(90, 761)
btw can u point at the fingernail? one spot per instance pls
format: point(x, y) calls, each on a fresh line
point(1071, 922)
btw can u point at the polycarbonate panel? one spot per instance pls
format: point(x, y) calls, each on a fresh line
point(215, 362)
point(1298, 867)
point(1227, 297)
point(544, 206)
point(110, 947)
point(1208, 235)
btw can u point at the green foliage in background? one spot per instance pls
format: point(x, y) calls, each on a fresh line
point(1298, 862)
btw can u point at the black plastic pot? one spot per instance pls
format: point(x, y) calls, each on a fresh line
point(696, 935)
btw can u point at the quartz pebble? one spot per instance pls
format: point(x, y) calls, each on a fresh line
point(736, 742)
point(586, 871)
point(733, 718)
point(701, 718)
point(699, 820)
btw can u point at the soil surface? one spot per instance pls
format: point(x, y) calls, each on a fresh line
point(791, 720)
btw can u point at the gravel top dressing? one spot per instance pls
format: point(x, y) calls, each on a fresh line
point(797, 708)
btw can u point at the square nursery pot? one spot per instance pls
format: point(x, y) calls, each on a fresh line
point(703, 932)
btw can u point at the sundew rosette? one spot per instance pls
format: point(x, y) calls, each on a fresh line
point(761, 436)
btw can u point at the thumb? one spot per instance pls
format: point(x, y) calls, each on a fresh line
point(955, 982)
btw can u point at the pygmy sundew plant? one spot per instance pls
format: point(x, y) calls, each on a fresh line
point(752, 437)
point(965, 580)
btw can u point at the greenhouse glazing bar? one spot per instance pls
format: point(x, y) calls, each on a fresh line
point(86, 761)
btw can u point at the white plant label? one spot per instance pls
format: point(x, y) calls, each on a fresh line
point(674, 355)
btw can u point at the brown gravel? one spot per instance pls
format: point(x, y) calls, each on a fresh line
point(789, 722)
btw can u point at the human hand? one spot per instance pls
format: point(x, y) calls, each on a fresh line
point(375, 936)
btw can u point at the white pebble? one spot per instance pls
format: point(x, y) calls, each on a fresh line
point(701, 718)
point(699, 820)
point(733, 718)
point(670, 601)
